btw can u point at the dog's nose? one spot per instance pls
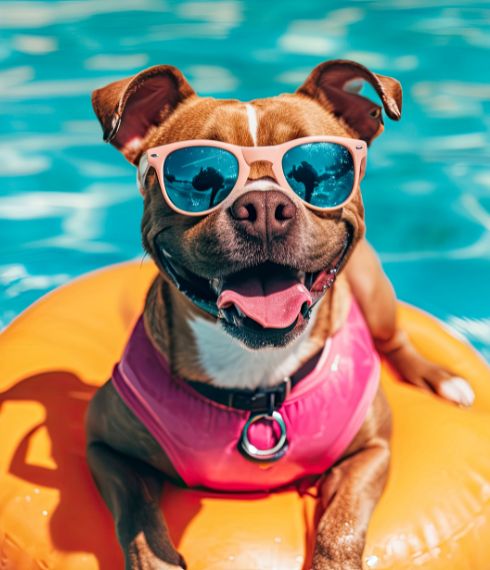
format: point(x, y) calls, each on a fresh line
point(264, 214)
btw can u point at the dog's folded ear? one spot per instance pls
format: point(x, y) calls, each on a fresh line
point(335, 84)
point(128, 108)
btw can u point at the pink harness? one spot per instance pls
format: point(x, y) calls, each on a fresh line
point(322, 414)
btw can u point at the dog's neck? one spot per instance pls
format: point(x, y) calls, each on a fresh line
point(198, 348)
point(229, 364)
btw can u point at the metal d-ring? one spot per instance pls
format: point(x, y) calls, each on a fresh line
point(274, 452)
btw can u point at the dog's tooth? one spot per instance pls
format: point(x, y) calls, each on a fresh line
point(240, 312)
point(223, 314)
point(165, 252)
point(216, 284)
point(302, 276)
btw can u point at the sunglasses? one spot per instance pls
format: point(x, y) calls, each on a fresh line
point(197, 177)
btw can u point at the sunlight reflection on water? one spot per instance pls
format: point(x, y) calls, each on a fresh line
point(68, 203)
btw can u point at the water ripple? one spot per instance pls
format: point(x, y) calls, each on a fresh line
point(68, 203)
point(42, 14)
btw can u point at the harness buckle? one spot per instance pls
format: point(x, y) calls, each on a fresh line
point(264, 455)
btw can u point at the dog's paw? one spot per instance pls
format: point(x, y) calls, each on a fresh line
point(164, 566)
point(140, 556)
point(159, 565)
point(334, 556)
point(442, 383)
point(417, 370)
point(151, 563)
point(320, 564)
point(457, 390)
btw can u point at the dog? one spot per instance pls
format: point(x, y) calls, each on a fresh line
point(263, 272)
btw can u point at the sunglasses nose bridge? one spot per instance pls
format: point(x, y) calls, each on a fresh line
point(260, 162)
point(253, 154)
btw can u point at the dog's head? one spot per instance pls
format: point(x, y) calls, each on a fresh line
point(259, 262)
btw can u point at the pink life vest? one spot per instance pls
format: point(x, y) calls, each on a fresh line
point(322, 413)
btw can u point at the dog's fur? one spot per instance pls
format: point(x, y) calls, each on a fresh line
point(157, 107)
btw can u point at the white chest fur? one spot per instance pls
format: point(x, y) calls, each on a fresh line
point(230, 364)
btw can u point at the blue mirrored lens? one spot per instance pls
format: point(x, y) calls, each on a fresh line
point(198, 178)
point(321, 173)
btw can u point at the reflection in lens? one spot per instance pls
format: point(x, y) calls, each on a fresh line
point(198, 178)
point(320, 173)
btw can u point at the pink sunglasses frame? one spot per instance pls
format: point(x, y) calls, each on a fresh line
point(246, 156)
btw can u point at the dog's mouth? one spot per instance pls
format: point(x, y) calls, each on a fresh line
point(266, 301)
point(270, 296)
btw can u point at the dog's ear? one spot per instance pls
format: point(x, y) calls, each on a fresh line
point(336, 85)
point(128, 108)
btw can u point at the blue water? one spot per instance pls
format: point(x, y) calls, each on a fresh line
point(69, 204)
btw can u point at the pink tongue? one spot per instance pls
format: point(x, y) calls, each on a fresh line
point(273, 303)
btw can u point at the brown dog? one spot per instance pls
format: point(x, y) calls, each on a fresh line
point(157, 107)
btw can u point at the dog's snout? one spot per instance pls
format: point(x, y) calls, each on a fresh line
point(264, 214)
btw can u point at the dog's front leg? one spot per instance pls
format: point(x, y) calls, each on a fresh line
point(349, 496)
point(350, 492)
point(377, 300)
point(131, 490)
point(129, 485)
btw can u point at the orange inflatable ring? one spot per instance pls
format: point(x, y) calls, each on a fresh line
point(434, 514)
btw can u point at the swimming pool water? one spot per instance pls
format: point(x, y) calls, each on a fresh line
point(69, 204)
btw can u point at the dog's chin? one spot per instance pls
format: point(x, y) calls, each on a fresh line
point(254, 337)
